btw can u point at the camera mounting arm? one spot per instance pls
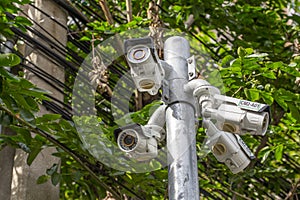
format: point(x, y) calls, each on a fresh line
point(157, 122)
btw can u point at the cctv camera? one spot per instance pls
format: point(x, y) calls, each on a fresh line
point(146, 70)
point(228, 148)
point(238, 116)
point(137, 142)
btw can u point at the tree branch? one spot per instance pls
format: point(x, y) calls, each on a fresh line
point(129, 10)
point(292, 191)
point(107, 13)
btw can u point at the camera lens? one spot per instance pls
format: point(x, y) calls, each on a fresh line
point(138, 54)
point(128, 140)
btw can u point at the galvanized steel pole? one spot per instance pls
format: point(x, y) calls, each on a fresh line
point(180, 123)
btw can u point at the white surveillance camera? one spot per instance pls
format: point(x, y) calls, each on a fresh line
point(228, 148)
point(145, 67)
point(137, 142)
point(230, 114)
point(238, 116)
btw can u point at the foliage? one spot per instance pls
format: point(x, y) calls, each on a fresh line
point(9, 6)
point(254, 46)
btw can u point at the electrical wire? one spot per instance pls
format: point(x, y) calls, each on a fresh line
point(49, 16)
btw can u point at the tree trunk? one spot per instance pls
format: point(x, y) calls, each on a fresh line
point(6, 165)
point(24, 185)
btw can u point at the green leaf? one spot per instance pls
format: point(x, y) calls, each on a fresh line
point(226, 60)
point(252, 94)
point(42, 179)
point(33, 154)
point(77, 175)
point(282, 103)
point(85, 38)
point(287, 95)
point(177, 8)
point(23, 21)
point(279, 152)
point(8, 75)
point(51, 117)
point(290, 70)
point(269, 74)
point(276, 65)
point(32, 103)
point(9, 60)
point(21, 101)
point(241, 52)
point(5, 120)
point(55, 178)
point(259, 55)
point(102, 192)
point(52, 170)
point(281, 96)
point(267, 97)
point(249, 51)
point(294, 111)
point(27, 115)
point(265, 156)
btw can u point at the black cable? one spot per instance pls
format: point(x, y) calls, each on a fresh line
point(63, 50)
point(74, 55)
point(48, 41)
point(77, 23)
point(57, 109)
point(49, 16)
point(46, 50)
point(41, 27)
point(68, 50)
point(72, 11)
point(48, 76)
point(90, 12)
point(64, 105)
point(42, 77)
point(40, 72)
point(75, 40)
point(208, 194)
point(197, 38)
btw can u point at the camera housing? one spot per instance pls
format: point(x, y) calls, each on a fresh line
point(137, 141)
point(228, 148)
point(145, 66)
point(238, 116)
point(230, 114)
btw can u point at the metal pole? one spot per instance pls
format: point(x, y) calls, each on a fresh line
point(180, 123)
